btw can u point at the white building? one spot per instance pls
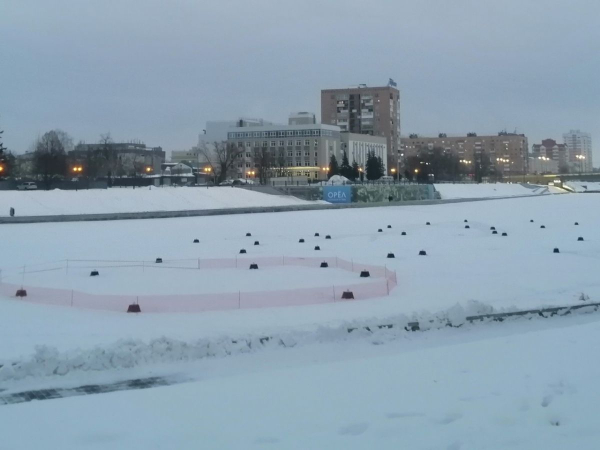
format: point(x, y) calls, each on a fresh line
point(357, 146)
point(215, 131)
point(580, 150)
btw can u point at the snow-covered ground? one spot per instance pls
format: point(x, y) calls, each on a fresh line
point(449, 190)
point(523, 384)
point(117, 200)
point(583, 186)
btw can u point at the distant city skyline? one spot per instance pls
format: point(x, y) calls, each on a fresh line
point(157, 72)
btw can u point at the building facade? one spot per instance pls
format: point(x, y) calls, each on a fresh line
point(580, 149)
point(550, 151)
point(215, 131)
point(365, 110)
point(129, 158)
point(302, 118)
point(295, 150)
point(508, 152)
point(357, 146)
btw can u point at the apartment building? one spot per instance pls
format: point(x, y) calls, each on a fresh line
point(367, 110)
point(580, 150)
point(508, 152)
point(550, 150)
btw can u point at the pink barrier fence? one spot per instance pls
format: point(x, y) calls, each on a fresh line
point(383, 282)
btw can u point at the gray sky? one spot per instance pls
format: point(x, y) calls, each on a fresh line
point(157, 70)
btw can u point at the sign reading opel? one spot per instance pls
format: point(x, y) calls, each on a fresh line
point(337, 194)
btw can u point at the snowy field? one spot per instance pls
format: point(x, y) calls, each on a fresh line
point(449, 191)
point(583, 186)
point(522, 384)
point(121, 200)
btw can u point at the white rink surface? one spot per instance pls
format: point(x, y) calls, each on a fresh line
point(517, 385)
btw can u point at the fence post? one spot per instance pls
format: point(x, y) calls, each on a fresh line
point(387, 285)
point(239, 299)
point(71, 298)
point(198, 263)
point(333, 287)
point(352, 260)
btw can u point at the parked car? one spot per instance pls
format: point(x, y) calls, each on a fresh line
point(27, 186)
point(226, 183)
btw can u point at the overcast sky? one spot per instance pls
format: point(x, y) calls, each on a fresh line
point(158, 70)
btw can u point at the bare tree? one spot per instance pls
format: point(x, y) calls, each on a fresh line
point(220, 156)
point(49, 159)
point(263, 161)
point(109, 153)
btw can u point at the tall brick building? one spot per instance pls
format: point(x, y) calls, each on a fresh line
point(366, 110)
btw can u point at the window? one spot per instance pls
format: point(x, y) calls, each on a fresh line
point(316, 142)
point(290, 154)
point(298, 143)
point(306, 153)
point(281, 133)
point(248, 154)
point(273, 144)
point(316, 154)
point(290, 133)
point(281, 143)
point(298, 154)
point(248, 134)
point(265, 134)
point(265, 144)
point(248, 144)
point(306, 163)
point(315, 132)
point(307, 142)
point(273, 133)
point(257, 134)
point(247, 165)
point(290, 143)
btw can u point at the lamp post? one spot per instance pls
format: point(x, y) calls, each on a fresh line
point(394, 172)
point(580, 158)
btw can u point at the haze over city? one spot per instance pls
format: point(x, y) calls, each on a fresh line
point(157, 71)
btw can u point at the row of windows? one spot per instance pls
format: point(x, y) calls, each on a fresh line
point(289, 164)
point(307, 142)
point(289, 153)
point(248, 134)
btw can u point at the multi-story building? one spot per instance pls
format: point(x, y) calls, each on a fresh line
point(550, 150)
point(129, 158)
point(357, 146)
point(296, 150)
point(366, 110)
point(215, 131)
point(580, 150)
point(302, 118)
point(508, 152)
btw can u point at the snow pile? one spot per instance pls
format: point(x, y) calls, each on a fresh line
point(582, 186)
point(488, 190)
point(128, 353)
point(124, 200)
point(335, 180)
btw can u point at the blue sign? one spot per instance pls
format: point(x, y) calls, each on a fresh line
point(337, 194)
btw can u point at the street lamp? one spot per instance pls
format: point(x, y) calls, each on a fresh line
point(148, 169)
point(580, 158)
